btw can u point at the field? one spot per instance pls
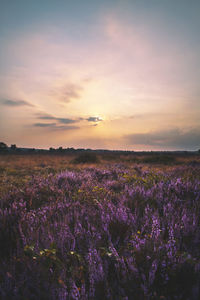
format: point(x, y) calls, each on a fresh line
point(123, 227)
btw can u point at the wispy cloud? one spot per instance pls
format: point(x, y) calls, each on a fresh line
point(60, 120)
point(188, 138)
point(68, 92)
point(15, 103)
point(45, 116)
point(64, 123)
point(54, 126)
point(67, 127)
point(44, 124)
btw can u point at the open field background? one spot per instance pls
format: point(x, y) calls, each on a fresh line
point(100, 227)
point(17, 169)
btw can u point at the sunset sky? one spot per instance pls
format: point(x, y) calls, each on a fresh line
point(100, 74)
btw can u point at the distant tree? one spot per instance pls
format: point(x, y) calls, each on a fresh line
point(3, 146)
point(13, 147)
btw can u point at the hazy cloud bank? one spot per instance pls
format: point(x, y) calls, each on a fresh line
point(184, 139)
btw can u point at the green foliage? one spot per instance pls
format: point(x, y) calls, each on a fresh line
point(48, 257)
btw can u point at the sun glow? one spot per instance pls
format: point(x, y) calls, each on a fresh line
point(128, 74)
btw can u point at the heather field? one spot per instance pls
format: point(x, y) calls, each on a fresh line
point(122, 228)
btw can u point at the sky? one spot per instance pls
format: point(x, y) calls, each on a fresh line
point(109, 74)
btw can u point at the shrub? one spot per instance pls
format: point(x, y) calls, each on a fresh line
point(86, 158)
point(160, 159)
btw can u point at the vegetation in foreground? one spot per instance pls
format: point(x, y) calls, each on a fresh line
point(101, 231)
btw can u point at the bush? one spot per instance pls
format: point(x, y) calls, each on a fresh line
point(160, 159)
point(86, 158)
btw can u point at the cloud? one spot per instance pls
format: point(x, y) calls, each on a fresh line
point(54, 126)
point(185, 139)
point(71, 91)
point(94, 119)
point(60, 120)
point(68, 92)
point(13, 103)
point(67, 127)
point(44, 124)
point(66, 121)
